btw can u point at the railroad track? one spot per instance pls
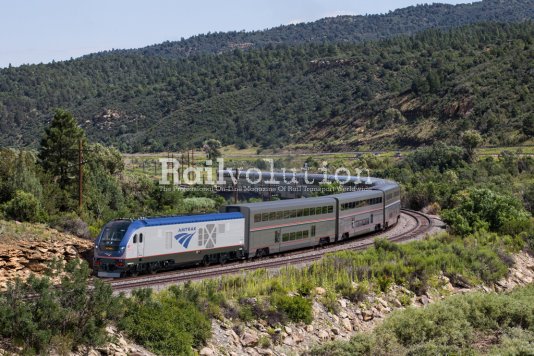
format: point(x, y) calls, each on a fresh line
point(421, 225)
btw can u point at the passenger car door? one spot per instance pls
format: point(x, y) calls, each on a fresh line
point(277, 241)
point(140, 245)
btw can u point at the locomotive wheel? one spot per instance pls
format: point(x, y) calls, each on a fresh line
point(206, 261)
point(152, 268)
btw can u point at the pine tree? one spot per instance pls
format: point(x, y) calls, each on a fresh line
point(59, 148)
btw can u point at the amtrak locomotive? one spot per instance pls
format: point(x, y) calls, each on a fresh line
point(147, 245)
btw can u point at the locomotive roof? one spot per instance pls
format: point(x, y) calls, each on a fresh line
point(186, 219)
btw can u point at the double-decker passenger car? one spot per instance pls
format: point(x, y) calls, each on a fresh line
point(284, 225)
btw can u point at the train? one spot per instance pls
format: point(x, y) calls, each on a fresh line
point(128, 247)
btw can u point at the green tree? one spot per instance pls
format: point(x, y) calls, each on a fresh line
point(471, 140)
point(528, 126)
point(59, 148)
point(212, 148)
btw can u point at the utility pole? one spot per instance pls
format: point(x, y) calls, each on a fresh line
point(80, 174)
point(236, 185)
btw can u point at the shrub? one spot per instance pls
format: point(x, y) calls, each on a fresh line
point(165, 324)
point(450, 327)
point(72, 224)
point(264, 342)
point(329, 300)
point(477, 209)
point(24, 207)
point(296, 308)
point(57, 318)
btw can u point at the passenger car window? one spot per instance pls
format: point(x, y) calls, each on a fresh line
point(135, 239)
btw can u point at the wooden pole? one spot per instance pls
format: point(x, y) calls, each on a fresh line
point(80, 174)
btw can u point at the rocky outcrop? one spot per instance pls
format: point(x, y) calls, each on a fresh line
point(258, 338)
point(18, 259)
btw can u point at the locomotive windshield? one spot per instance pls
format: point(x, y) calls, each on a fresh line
point(112, 235)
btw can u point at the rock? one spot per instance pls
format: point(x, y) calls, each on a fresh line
point(206, 351)
point(93, 352)
point(367, 315)
point(343, 315)
point(249, 339)
point(289, 341)
point(309, 328)
point(70, 251)
point(396, 303)
point(335, 318)
point(424, 300)
point(320, 290)
point(298, 337)
point(382, 302)
point(346, 324)
point(289, 331)
point(323, 335)
point(232, 335)
point(37, 267)
point(343, 303)
point(264, 351)
point(335, 331)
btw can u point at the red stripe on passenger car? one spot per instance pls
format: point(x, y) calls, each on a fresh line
point(294, 224)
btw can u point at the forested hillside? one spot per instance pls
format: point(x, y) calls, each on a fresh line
point(389, 93)
point(351, 29)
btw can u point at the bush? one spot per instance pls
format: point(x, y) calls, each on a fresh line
point(57, 318)
point(24, 207)
point(165, 323)
point(477, 209)
point(296, 308)
point(72, 224)
point(450, 327)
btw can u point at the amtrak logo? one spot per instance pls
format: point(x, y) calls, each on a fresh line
point(184, 239)
point(185, 235)
point(207, 236)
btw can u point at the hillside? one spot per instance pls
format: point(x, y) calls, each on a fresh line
point(349, 29)
point(394, 92)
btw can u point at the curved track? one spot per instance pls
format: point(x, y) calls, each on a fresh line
point(412, 225)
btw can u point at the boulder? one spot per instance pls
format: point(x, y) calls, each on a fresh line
point(249, 339)
point(206, 351)
point(289, 331)
point(323, 335)
point(288, 340)
point(367, 315)
point(37, 267)
point(346, 324)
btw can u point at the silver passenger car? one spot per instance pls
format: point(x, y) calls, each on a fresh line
point(279, 226)
point(359, 213)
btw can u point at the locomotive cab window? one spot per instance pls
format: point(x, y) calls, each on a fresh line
point(135, 239)
point(140, 238)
